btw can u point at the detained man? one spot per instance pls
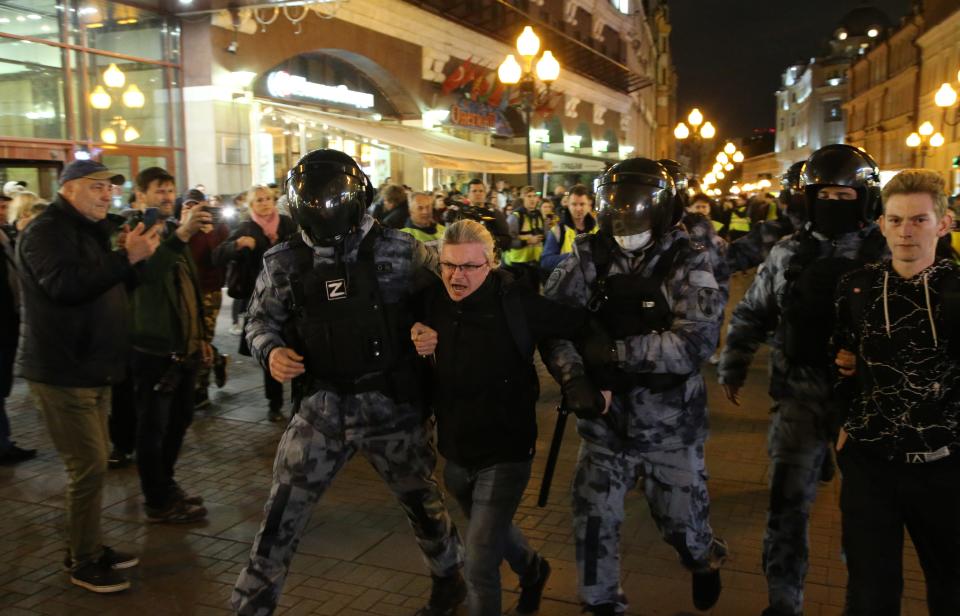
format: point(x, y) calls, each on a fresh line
point(481, 327)
point(897, 324)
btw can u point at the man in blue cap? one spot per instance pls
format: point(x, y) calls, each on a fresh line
point(73, 347)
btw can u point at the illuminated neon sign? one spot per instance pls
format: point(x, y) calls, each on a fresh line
point(282, 84)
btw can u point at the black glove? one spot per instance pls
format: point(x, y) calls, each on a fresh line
point(582, 398)
point(597, 347)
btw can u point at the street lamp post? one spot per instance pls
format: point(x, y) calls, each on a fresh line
point(945, 98)
point(547, 70)
point(701, 130)
point(924, 140)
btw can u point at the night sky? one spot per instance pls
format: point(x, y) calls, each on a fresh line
point(729, 54)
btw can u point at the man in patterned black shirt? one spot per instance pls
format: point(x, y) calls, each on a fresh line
point(898, 450)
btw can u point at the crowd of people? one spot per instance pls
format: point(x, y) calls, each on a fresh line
point(408, 323)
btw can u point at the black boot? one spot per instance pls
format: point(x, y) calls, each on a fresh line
point(530, 595)
point(446, 596)
point(706, 589)
point(604, 609)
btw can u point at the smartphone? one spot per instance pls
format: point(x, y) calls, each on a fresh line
point(215, 212)
point(151, 216)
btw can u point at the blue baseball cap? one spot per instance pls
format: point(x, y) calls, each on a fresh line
point(89, 169)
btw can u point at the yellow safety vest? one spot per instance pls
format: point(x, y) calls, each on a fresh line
point(525, 254)
point(739, 223)
point(772, 211)
point(569, 235)
point(427, 238)
point(717, 225)
point(955, 245)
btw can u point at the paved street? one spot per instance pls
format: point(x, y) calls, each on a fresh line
point(359, 557)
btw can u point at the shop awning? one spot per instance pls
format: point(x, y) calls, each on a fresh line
point(439, 150)
point(571, 163)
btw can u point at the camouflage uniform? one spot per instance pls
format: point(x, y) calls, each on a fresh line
point(211, 309)
point(330, 428)
point(798, 437)
point(657, 435)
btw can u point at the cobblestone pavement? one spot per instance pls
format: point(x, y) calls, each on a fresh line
point(359, 556)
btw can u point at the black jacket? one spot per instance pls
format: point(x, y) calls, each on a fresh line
point(74, 329)
point(248, 263)
point(485, 386)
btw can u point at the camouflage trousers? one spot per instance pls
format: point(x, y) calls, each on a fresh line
point(307, 461)
point(797, 447)
point(676, 491)
point(211, 310)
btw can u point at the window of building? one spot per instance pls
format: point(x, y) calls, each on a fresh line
point(833, 111)
point(621, 5)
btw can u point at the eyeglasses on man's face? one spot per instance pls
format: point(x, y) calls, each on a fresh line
point(466, 268)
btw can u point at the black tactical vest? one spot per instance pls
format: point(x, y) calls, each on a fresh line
point(351, 340)
point(631, 304)
point(808, 311)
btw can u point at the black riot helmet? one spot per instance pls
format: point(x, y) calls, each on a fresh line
point(634, 196)
point(791, 179)
point(791, 196)
point(840, 164)
point(680, 183)
point(327, 194)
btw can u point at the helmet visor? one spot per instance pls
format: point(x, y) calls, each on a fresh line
point(628, 209)
point(325, 194)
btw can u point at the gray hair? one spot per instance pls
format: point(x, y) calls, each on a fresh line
point(471, 232)
point(423, 194)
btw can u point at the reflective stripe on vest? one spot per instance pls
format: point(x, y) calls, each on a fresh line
point(423, 236)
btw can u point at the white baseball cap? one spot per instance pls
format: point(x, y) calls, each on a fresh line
point(13, 187)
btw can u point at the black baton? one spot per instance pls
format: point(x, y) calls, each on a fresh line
point(555, 444)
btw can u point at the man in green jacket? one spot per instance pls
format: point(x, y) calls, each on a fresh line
point(168, 348)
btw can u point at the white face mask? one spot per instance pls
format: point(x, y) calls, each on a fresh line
point(634, 242)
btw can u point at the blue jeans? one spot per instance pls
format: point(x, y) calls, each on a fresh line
point(489, 498)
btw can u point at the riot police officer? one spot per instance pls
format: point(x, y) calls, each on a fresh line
point(792, 294)
point(750, 250)
point(658, 309)
point(331, 309)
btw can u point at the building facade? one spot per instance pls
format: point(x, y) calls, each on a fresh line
point(810, 102)
point(666, 79)
point(882, 89)
point(410, 89)
point(940, 64)
point(90, 79)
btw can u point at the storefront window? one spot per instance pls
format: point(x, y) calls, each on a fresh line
point(31, 90)
point(33, 18)
point(129, 101)
point(119, 28)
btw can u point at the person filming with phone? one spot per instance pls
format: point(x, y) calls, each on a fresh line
point(74, 340)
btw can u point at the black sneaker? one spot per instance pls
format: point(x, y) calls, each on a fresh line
point(110, 558)
point(604, 609)
point(706, 589)
point(446, 595)
point(181, 494)
point(275, 415)
point(15, 455)
point(119, 459)
point(96, 577)
point(177, 513)
point(220, 362)
point(530, 595)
